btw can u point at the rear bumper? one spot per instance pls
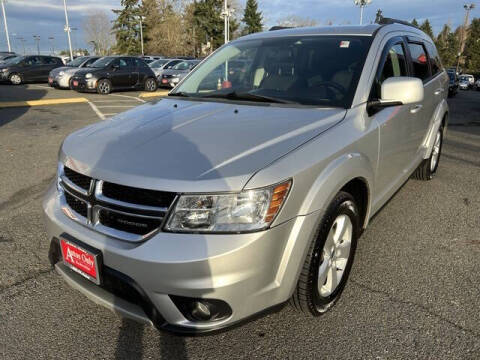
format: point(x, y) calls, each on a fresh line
point(250, 272)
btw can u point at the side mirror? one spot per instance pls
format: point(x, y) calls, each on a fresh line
point(399, 91)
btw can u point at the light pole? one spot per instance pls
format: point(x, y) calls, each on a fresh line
point(226, 14)
point(362, 4)
point(67, 29)
point(22, 40)
point(52, 40)
point(5, 24)
point(37, 39)
point(467, 8)
point(141, 32)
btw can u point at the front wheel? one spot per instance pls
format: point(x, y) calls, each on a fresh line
point(104, 87)
point(15, 79)
point(428, 167)
point(151, 85)
point(330, 257)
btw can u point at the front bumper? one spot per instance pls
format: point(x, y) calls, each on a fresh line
point(250, 272)
point(84, 85)
point(60, 81)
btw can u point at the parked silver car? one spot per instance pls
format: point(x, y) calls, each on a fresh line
point(249, 188)
point(60, 77)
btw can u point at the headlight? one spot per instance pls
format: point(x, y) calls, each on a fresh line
point(4, 70)
point(61, 73)
point(248, 210)
point(88, 76)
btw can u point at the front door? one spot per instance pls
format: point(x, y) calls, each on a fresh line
point(120, 76)
point(395, 124)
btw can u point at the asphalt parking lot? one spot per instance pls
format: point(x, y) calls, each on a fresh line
point(414, 291)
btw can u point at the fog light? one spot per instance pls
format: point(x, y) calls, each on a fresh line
point(202, 309)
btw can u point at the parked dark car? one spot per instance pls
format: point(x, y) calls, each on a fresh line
point(22, 69)
point(114, 73)
point(61, 77)
point(171, 77)
point(453, 84)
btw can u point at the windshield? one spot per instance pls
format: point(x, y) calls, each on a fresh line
point(77, 62)
point(13, 61)
point(102, 62)
point(158, 63)
point(308, 70)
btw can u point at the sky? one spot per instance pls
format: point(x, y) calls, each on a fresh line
point(46, 18)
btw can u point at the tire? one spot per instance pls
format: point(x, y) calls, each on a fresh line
point(15, 79)
point(104, 87)
point(310, 296)
point(150, 85)
point(428, 167)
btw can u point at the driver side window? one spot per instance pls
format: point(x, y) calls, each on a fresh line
point(395, 65)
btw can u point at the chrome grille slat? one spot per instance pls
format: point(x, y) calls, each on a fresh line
point(111, 216)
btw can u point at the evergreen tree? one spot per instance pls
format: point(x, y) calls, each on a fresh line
point(472, 46)
point(415, 22)
point(447, 46)
point(252, 17)
point(427, 28)
point(127, 28)
point(209, 22)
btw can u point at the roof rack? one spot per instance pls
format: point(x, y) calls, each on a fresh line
point(273, 28)
point(388, 21)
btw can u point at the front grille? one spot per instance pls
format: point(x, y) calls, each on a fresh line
point(128, 223)
point(137, 196)
point(78, 179)
point(119, 211)
point(79, 206)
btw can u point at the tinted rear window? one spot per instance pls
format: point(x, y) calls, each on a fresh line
point(420, 61)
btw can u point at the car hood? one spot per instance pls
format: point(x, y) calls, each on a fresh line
point(86, 70)
point(66, 69)
point(186, 146)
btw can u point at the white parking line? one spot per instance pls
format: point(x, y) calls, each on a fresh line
point(131, 97)
point(98, 112)
point(41, 86)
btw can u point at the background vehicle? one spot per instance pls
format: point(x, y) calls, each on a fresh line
point(171, 77)
point(468, 78)
point(150, 58)
point(267, 181)
point(114, 73)
point(452, 84)
point(60, 77)
point(477, 85)
point(464, 84)
point(163, 64)
point(29, 68)
point(5, 55)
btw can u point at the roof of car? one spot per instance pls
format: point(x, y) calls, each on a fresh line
point(356, 30)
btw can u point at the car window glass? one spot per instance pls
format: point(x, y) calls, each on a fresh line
point(50, 61)
point(419, 61)
point(435, 62)
point(123, 63)
point(91, 61)
point(395, 65)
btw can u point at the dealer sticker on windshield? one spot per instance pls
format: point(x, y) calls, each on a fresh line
point(344, 44)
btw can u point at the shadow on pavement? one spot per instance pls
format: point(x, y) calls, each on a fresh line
point(129, 341)
point(9, 114)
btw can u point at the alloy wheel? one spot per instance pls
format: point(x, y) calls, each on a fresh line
point(16, 79)
point(335, 255)
point(104, 87)
point(150, 85)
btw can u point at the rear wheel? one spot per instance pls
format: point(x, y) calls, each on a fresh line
point(428, 167)
point(104, 87)
point(15, 79)
point(151, 85)
point(330, 257)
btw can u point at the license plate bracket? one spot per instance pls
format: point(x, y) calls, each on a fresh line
point(81, 258)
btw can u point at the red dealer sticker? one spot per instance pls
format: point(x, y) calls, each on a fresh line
point(80, 260)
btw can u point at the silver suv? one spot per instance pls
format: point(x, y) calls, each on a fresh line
point(249, 185)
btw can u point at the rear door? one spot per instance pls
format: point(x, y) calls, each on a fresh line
point(420, 68)
point(395, 123)
point(48, 64)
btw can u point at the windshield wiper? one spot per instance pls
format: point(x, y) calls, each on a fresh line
point(249, 97)
point(179, 93)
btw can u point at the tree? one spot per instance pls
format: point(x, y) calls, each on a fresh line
point(252, 18)
point(296, 21)
point(472, 46)
point(98, 32)
point(447, 46)
point(378, 16)
point(427, 28)
point(127, 28)
point(208, 21)
point(415, 22)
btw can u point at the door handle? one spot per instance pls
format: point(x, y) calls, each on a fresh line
point(438, 91)
point(416, 109)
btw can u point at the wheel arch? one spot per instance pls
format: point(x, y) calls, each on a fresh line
point(440, 118)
